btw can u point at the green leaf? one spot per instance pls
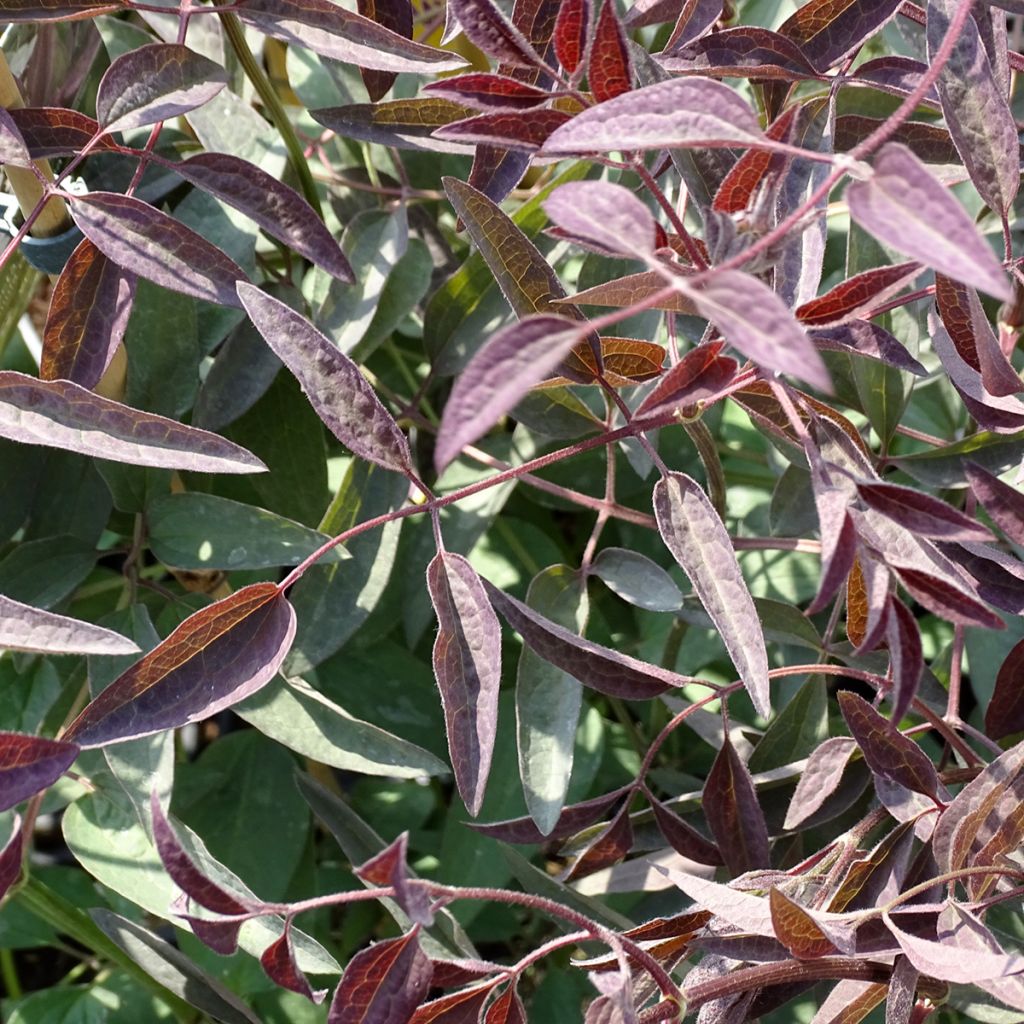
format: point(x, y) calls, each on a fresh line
point(203, 531)
point(43, 572)
point(796, 730)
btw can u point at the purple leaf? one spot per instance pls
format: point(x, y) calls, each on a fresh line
point(220, 936)
point(698, 376)
point(683, 838)
point(507, 1008)
point(498, 376)
point(278, 960)
point(274, 206)
point(904, 640)
point(949, 602)
point(60, 414)
point(608, 847)
point(958, 926)
point(698, 112)
point(820, 779)
point(155, 83)
point(89, 310)
point(890, 755)
point(571, 820)
point(382, 984)
point(487, 28)
point(756, 321)
point(183, 872)
point(58, 131)
point(29, 764)
point(609, 69)
point(921, 513)
point(462, 1007)
point(897, 75)
point(744, 50)
point(743, 910)
point(1005, 712)
point(975, 109)
point(608, 215)
point(838, 539)
point(485, 91)
point(697, 538)
point(905, 207)
point(733, 812)
point(826, 31)
point(340, 394)
point(601, 668)
point(796, 929)
point(56, 10)
point(396, 15)
point(217, 657)
point(524, 130)
point(332, 31)
point(467, 666)
point(1005, 504)
point(23, 628)
point(10, 858)
point(141, 239)
point(388, 868)
point(13, 149)
point(867, 339)
point(899, 1004)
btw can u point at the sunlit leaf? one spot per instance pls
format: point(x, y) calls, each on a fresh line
point(854, 297)
point(608, 847)
point(23, 628)
point(29, 764)
point(278, 960)
point(571, 30)
point(742, 51)
point(462, 1007)
point(828, 30)
point(699, 375)
point(609, 215)
point(58, 131)
point(407, 124)
point(486, 90)
point(921, 513)
point(609, 69)
point(507, 1008)
point(734, 814)
point(796, 929)
point(487, 27)
point(820, 779)
point(396, 15)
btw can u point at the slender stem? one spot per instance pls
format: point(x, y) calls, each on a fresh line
point(9, 974)
point(692, 249)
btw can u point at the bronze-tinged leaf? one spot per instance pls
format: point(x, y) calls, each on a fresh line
point(906, 660)
point(1005, 712)
point(701, 373)
point(683, 838)
point(856, 605)
point(796, 929)
point(828, 30)
point(58, 131)
point(396, 15)
point(570, 36)
point(215, 658)
point(928, 142)
point(740, 184)
point(734, 813)
point(57, 10)
point(389, 868)
point(278, 960)
point(28, 764)
point(867, 877)
point(608, 847)
point(609, 70)
point(626, 361)
point(89, 309)
point(1005, 504)
point(507, 1008)
point(407, 124)
point(625, 291)
point(525, 130)
point(1007, 838)
point(856, 296)
point(486, 90)
point(383, 984)
point(457, 1008)
point(851, 1001)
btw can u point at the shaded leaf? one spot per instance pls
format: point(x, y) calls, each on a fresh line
point(13, 149)
point(486, 90)
point(796, 929)
point(601, 668)
point(498, 376)
point(608, 847)
point(733, 812)
point(975, 109)
point(274, 206)
point(89, 309)
point(746, 51)
point(570, 821)
point(698, 541)
point(854, 297)
point(10, 857)
point(609, 69)
point(828, 30)
point(382, 984)
point(929, 142)
point(571, 31)
point(144, 241)
point(487, 28)
point(867, 339)
point(1004, 714)
point(603, 213)
point(467, 666)
point(679, 112)
point(905, 207)
point(218, 656)
point(278, 960)
point(756, 321)
point(904, 639)
point(921, 513)
point(407, 124)
point(58, 131)
point(332, 31)
point(850, 1002)
point(155, 83)
point(683, 838)
point(336, 389)
point(636, 579)
point(947, 601)
point(797, 730)
point(871, 875)
point(1005, 504)
point(820, 779)
point(56, 10)
point(28, 764)
point(388, 868)
point(396, 15)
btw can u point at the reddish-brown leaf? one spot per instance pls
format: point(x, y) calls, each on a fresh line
point(929, 142)
point(904, 639)
point(856, 605)
point(1005, 712)
point(701, 373)
point(746, 51)
point(828, 30)
point(855, 297)
point(570, 36)
point(608, 847)
point(57, 10)
point(507, 1008)
point(89, 309)
point(383, 984)
point(388, 868)
point(624, 291)
point(734, 813)
point(486, 90)
point(740, 184)
point(58, 131)
point(609, 71)
point(921, 513)
point(626, 361)
point(28, 764)
point(458, 1008)
point(487, 28)
point(683, 838)
point(868, 875)
point(396, 15)
point(278, 960)
point(948, 602)
point(526, 130)
point(796, 929)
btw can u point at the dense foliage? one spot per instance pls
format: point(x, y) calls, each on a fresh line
point(609, 611)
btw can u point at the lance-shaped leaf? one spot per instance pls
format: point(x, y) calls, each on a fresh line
point(636, 579)
point(697, 538)
point(867, 339)
point(498, 376)
point(608, 215)
point(462, 1007)
point(467, 666)
point(820, 779)
point(274, 206)
point(904, 639)
point(571, 31)
point(746, 51)
point(699, 375)
point(854, 297)
point(904, 206)
point(155, 83)
point(683, 838)
point(921, 513)
point(608, 847)
point(930, 142)
point(624, 291)
point(388, 868)
point(382, 984)
point(870, 875)
point(733, 812)
point(56, 10)
point(975, 109)
point(828, 30)
point(796, 929)
point(332, 31)
point(487, 28)
point(890, 755)
point(756, 321)
point(949, 601)
point(525, 130)
point(742, 910)
point(752, 169)
point(59, 414)
point(13, 149)
point(58, 131)
point(89, 310)
point(141, 239)
point(956, 924)
point(899, 1003)
point(1005, 504)
point(570, 821)
point(407, 124)
point(964, 318)
point(485, 90)
point(10, 857)
point(340, 394)
point(278, 960)
point(680, 112)
point(609, 69)
point(601, 668)
point(507, 1008)
point(1005, 712)
point(217, 657)
point(850, 1002)
point(28, 764)
point(23, 628)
